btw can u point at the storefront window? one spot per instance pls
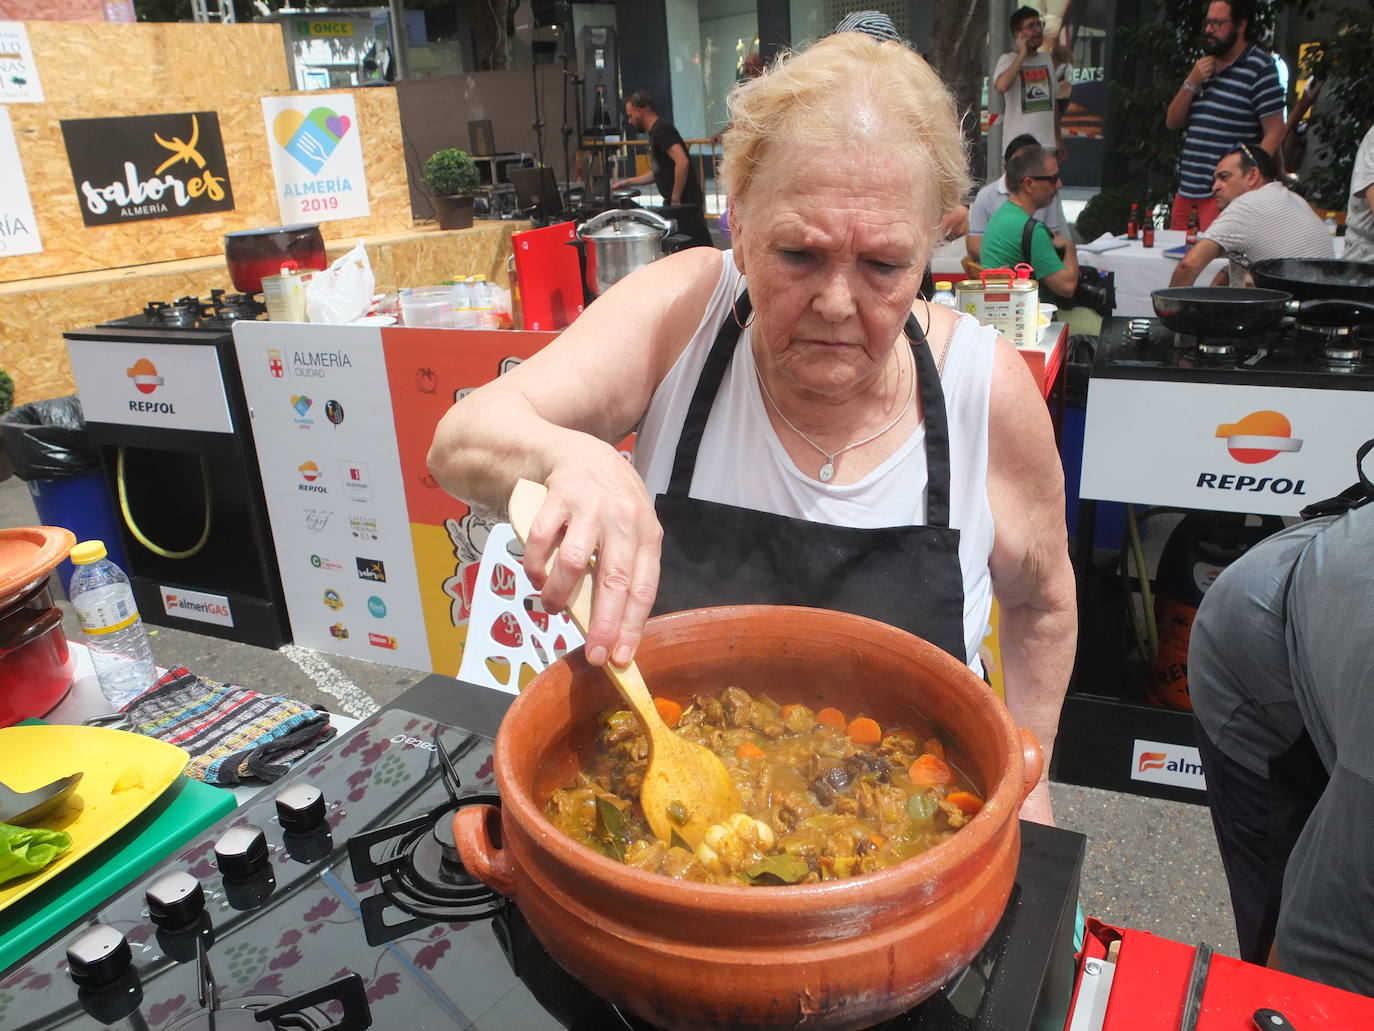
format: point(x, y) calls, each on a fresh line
point(707, 43)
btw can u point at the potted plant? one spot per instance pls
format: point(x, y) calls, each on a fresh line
point(451, 176)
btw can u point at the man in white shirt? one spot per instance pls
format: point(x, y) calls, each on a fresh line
point(995, 194)
point(1259, 217)
point(1025, 78)
point(1359, 220)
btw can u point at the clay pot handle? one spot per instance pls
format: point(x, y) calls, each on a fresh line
point(1034, 758)
point(480, 854)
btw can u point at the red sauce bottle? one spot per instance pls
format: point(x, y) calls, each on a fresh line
point(1133, 225)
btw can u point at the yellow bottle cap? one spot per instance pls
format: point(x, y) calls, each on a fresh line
point(87, 552)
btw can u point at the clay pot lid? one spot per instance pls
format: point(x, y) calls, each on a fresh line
point(28, 554)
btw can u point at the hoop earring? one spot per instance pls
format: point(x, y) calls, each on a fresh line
point(735, 313)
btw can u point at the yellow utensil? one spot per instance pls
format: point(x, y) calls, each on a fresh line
point(686, 787)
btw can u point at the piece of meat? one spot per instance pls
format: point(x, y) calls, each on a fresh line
point(743, 710)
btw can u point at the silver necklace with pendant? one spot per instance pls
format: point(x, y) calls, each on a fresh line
point(827, 471)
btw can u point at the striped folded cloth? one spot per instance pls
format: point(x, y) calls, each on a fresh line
point(232, 732)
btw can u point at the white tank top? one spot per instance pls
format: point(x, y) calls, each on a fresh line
point(742, 462)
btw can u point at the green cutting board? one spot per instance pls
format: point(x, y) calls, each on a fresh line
point(182, 812)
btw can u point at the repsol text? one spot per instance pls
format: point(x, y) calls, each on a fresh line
point(1253, 484)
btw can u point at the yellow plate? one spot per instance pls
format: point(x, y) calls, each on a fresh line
point(123, 774)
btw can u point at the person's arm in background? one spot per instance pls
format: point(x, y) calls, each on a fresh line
point(954, 224)
point(1199, 256)
point(677, 153)
point(1176, 117)
point(556, 419)
point(635, 180)
point(1032, 576)
point(1062, 278)
point(1009, 66)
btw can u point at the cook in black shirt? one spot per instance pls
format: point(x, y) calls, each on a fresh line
point(672, 173)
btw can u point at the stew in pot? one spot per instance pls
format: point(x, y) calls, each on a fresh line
point(825, 796)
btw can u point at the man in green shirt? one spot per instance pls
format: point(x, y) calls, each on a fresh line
point(1033, 183)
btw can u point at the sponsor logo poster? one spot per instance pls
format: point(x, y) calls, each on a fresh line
point(147, 166)
point(1221, 447)
point(1162, 762)
point(317, 157)
point(19, 82)
point(18, 230)
point(333, 488)
point(169, 386)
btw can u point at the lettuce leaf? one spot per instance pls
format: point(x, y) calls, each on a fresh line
point(26, 850)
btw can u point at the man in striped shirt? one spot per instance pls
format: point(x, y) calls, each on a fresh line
point(1260, 217)
point(1231, 96)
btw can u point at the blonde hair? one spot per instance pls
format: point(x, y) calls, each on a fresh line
point(849, 89)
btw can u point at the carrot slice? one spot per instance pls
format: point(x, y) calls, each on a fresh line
point(966, 801)
point(831, 717)
point(748, 750)
point(788, 710)
point(929, 771)
point(670, 710)
point(935, 747)
point(865, 731)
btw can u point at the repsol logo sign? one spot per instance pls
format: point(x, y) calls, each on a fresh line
point(1253, 484)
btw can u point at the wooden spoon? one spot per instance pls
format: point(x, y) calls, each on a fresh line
point(686, 787)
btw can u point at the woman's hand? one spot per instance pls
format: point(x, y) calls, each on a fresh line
point(597, 508)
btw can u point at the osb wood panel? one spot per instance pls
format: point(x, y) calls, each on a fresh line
point(178, 68)
point(94, 64)
point(34, 313)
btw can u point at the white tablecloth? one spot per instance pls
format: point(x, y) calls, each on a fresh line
point(1140, 270)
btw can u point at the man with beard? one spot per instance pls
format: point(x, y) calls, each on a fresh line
point(1025, 77)
point(1231, 96)
point(671, 169)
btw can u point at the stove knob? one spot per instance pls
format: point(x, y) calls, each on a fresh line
point(175, 900)
point(242, 852)
point(99, 957)
point(300, 808)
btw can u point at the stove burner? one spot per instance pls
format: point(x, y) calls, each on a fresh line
point(242, 1014)
point(299, 1013)
point(185, 311)
point(419, 874)
point(232, 307)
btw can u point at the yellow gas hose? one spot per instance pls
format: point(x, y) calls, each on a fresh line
point(139, 535)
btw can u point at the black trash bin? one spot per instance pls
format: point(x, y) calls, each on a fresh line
point(47, 444)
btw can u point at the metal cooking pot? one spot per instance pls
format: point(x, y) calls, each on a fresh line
point(613, 244)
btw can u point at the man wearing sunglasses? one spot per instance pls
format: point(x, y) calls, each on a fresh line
point(1033, 179)
point(1260, 218)
point(1232, 95)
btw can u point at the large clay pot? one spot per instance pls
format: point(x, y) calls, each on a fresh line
point(840, 954)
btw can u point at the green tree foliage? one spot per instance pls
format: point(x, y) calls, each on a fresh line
point(1345, 60)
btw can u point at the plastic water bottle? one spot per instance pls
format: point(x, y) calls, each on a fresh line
point(1330, 221)
point(944, 294)
point(462, 304)
point(481, 303)
point(110, 625)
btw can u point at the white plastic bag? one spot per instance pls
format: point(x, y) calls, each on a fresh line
point(342, 292)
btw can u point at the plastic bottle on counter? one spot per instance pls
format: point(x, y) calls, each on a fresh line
point(110, 625)
point(1330, 221)
point(485, 314)
point(944, 294)
point(462, 303)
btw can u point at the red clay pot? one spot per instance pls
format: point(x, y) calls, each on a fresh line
point(840, 954)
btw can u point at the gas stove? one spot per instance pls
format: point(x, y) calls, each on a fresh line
point(335, 901)
point(216, 315)
point(1293, 354)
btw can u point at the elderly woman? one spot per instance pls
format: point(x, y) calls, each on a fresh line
point(810, 431)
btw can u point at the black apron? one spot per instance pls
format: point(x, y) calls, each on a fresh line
point(715, 554)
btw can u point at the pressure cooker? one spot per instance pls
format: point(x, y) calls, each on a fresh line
point(615, 243)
